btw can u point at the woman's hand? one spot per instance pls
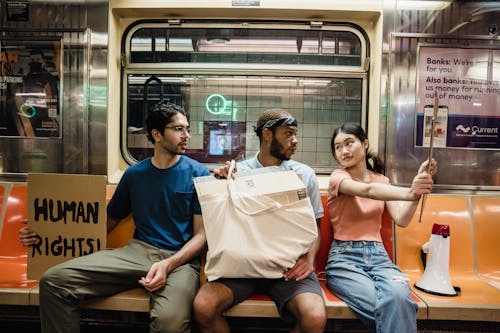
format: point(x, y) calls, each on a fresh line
point(431, 168)
point(422, 183)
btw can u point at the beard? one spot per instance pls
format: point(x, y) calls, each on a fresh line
point(277, 149)
point(174, 150)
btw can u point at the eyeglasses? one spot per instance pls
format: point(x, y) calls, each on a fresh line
point(180, 129)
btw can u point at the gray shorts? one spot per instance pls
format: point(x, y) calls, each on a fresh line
point(279, 290)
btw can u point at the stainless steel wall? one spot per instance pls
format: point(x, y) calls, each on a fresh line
point(82, 27)
point(461, 23)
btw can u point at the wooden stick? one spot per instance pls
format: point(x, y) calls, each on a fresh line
point(431, 145)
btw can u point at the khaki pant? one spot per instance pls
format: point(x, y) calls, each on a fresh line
point(108, 272)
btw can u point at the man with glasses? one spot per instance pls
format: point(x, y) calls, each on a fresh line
point(298, 294)
point(162, 257)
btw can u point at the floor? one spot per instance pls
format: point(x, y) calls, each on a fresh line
point(254, 325)
point(22, 319)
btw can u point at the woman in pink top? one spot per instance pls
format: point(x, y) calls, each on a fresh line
point(359, 271)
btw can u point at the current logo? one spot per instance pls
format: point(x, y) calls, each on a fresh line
point(463, 129)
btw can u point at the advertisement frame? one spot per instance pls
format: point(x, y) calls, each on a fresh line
point(31, 76)
point(465, 129)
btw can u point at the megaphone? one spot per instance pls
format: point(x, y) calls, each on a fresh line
point(436, 278)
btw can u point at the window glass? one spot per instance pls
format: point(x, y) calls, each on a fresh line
point(245, 46)
point(141, 45)
point(223, 110)
point(315, 75)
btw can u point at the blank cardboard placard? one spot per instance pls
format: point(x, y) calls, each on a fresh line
point(68, 214)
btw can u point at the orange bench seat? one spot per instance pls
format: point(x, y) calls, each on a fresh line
point(478, 300)
point(12, 254)
point(486, 220)
point(473, 221)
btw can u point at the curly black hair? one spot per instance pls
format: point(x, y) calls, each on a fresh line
point(159, 116)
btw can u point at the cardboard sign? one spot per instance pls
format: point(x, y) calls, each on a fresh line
point(68, 215)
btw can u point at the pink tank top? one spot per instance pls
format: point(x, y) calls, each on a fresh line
point(354, 218)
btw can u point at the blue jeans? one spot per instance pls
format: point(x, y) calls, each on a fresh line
point(361, 274)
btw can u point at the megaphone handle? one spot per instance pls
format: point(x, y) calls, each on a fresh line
point(423, 257)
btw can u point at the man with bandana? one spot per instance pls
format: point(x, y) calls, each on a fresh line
point(297, 295)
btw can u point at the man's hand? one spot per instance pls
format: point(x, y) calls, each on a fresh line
point(156, 277)
point(27, 236)
point(221, 173)
point(300, 270)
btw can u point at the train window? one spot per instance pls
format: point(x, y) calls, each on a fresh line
point(245, 46)
point(141, 45)
point(225, 76)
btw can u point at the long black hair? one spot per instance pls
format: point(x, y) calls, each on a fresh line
point(373, 163)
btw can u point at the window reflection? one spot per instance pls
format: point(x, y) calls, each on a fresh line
point(245, 46)
point(223, 109)
point(185, 65)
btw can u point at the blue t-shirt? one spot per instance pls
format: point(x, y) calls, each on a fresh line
point(162, 201)
point(305, 172)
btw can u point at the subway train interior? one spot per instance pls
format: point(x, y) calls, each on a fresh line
point(421, 77)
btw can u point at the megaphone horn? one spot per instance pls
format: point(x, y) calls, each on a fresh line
point(436, 278)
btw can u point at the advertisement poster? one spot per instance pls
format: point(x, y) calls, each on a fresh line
point(467, 82)
point(18, 10)
point(440, 126)
point(30, 88)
